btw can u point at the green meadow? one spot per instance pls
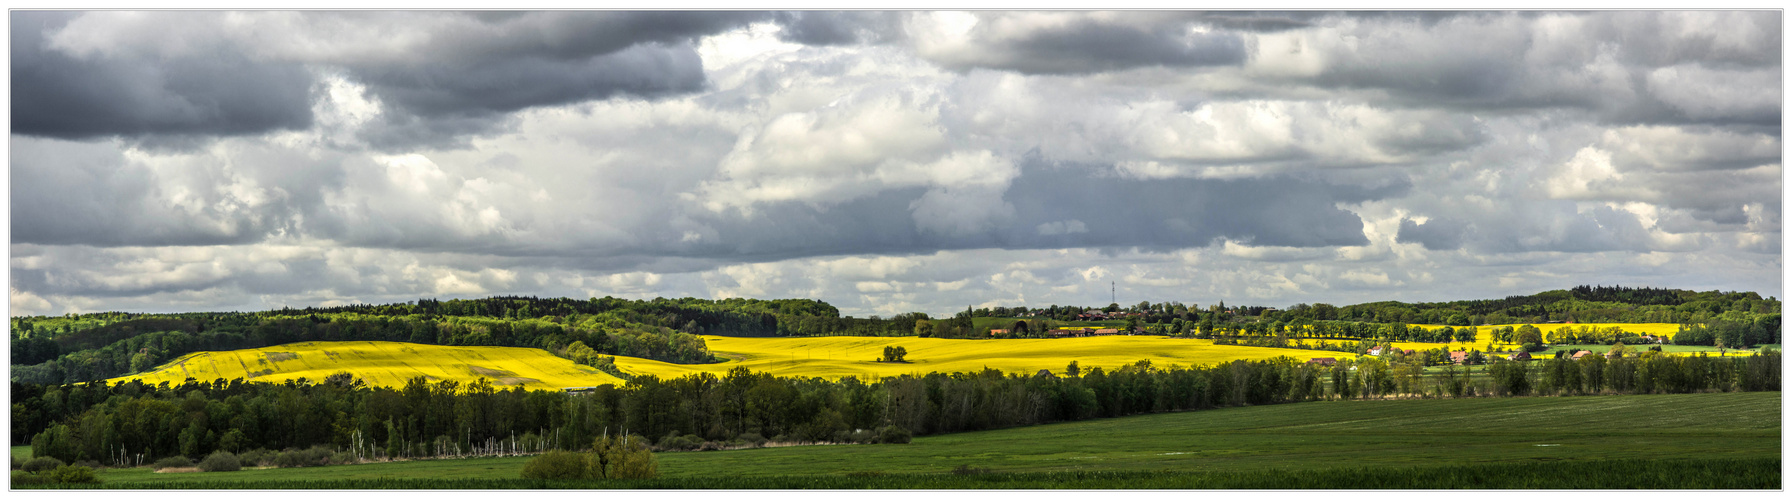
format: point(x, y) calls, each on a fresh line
point(1708, 440)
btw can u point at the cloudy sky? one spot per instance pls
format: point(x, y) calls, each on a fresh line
point(887, 162)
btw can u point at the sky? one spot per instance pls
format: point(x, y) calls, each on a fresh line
point(887, 162)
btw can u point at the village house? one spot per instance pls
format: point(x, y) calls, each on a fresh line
point(1107, 331)
point(996, 332)
point(1521, 356)
point(1323, 361)
point(1459, 357)
point(1578, 354)
point(1375, 351)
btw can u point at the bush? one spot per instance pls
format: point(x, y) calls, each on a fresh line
point(17, 462)
point(22, 478)
point(41, 464)
point(259, 457)
point(751, 438)
point(623, 458)
point(342, 457)
point(316, 456)
point(91, 464)
point(221, 461)
point(674, 441)
point(893, 434)
point(173, 462)
point(557, 464)
point(73, 474)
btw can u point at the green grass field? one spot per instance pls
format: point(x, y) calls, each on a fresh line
point(1667, 348)
point(1216, 448)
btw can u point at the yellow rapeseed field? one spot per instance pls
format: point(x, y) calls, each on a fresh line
point(386, 364)
point(834, 357)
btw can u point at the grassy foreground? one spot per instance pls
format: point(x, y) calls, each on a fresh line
point(1598, 474)
point(1714, 440)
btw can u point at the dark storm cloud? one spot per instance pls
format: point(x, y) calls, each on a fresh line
point(839, 27)
point(223, 92)
point(1434, 234)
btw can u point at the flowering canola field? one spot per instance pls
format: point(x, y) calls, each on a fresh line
point(391, 364)
point(386, 364)
point(834, 357)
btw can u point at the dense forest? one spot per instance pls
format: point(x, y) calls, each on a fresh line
point(133, 422)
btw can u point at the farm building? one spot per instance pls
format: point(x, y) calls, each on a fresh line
point(1323, 361)
point(1375, 351)
point(579, 391)
point(1521, 356)
point(1578, 354)
point(996, 332)
point(1459, 357)
point(1107, 331)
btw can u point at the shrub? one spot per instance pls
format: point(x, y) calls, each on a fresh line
point(22, 478)
point(258, 457)
point(674, 441)
point(221, 461)
point(557, 464)
point(17, 462)
point(41, 464)
point(893, 434)
point(73, 474)
point(751, 438)
point(173, 462)
point(313, 457)
point(91, 464)
point(623, 458)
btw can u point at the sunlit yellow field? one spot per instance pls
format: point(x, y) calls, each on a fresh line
point(388, 364)
point(833, 357)
point(391, 364)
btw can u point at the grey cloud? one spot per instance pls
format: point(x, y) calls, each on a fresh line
point(464, 81)
point(1434, 234)
point(1114, 212)
point(435, 102)
point(213, 93)
point(90, 194)
point(1559, 227)
point(839, 27)
point(1606, 64)
point(1086, 46)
